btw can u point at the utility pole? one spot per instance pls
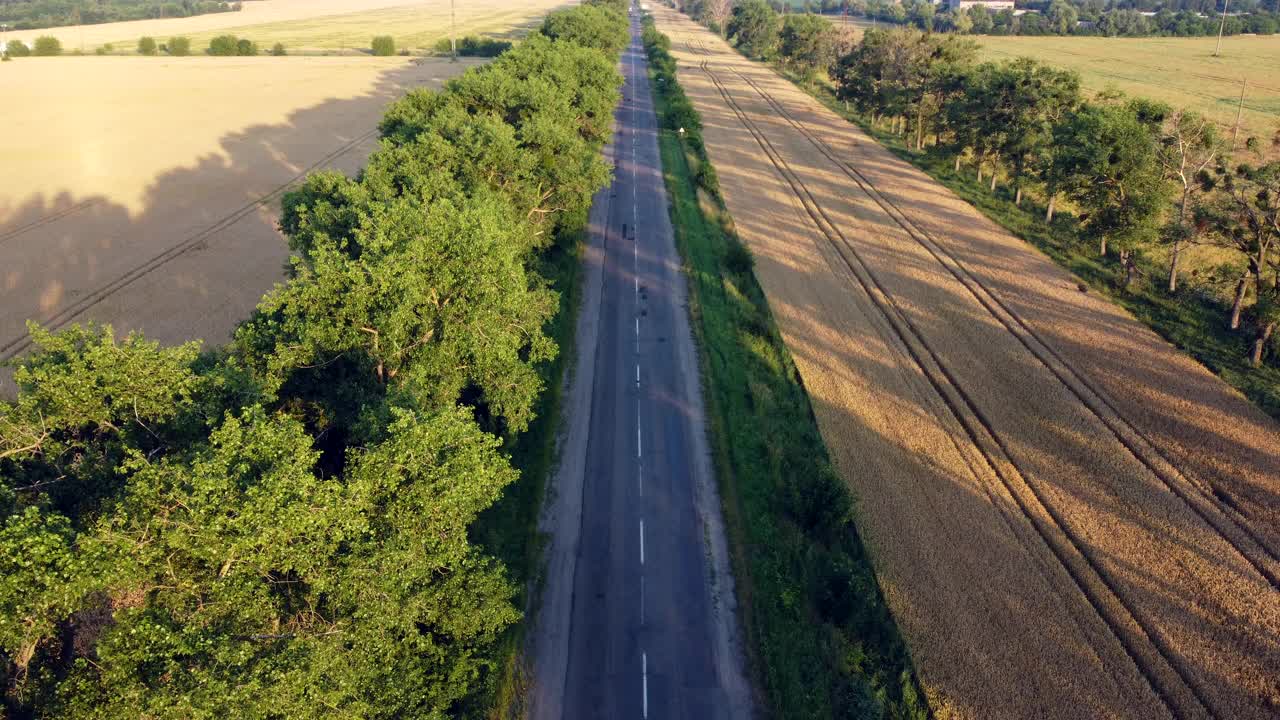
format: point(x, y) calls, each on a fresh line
point(1239, 111)
point(453, 31)
point(1221, 25)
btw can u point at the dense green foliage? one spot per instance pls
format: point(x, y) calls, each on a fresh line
point(473, 46)
point(383, 46)
point(46, 46)
point(822, 640)
point(597, 26)
point(147, 46)
point(1082, 17)
point(753, 25)
point(32, 14)
point(16, 48)
point(807, 43)
point(286, 527)
point(278, 50)
point(179, 46)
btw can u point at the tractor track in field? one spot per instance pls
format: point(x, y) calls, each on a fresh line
point(1171, 682)
point(1216, 509)
point(68, 313)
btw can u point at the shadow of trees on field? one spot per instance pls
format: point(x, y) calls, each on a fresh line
point(203, 249)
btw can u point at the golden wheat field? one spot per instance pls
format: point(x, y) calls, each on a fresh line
point(315, 25)
point(144, 191)
point(1068, 517)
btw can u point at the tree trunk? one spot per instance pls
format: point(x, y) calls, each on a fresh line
point(1238, 303)
point(979, 169)
point(1017, 197)
point(1174, 255)
point(1102, 246)
point(919, 127)
point(1260, 343)
point(1130, 268)
point(1048, 213)
point(957, 168)
point(993, 179)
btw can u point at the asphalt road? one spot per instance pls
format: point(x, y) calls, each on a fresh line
point(637, 611)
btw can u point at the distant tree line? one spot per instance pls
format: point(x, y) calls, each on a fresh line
point(1140, 174)
point(280, 527)
point(34, 14)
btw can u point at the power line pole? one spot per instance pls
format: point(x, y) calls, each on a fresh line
point(1239, 111)
point(1221, 25)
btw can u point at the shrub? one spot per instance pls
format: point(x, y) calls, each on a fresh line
point(474, 46)
point(16, 48)
point(147, 46)
point(223, 46)
point(47, 46)
point(246, 48)
point(383, 46)
point(100, 51)
point(180, 46)
point(5, 57)
point(278, 50)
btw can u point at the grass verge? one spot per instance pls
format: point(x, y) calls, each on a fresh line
point(1192, 319)
point(821, 641)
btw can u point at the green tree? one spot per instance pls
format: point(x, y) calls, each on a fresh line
point(147, 46)
point(753, 26)
point(246, 47)
point(807, 42)
point(223, 45)
point(383, 46)
point(1062, 17)
point(17, 48)
point(1030, 99)
point(277, 50)
point(1244, 217)
point(981, 18)
point(589, 26)
point(179, 46)
point(1112, 154)
point(46, 46)
point(1189, 148)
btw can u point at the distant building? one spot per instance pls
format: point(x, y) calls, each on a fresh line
point(991, 5)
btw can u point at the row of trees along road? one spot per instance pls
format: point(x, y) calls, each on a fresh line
point(1139, 174)
point(279, 527)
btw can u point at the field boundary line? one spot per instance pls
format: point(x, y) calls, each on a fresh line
point(1148, 652)
point(15, 346)
point(1217, 512)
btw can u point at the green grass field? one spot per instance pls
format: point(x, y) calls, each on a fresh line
point(1180, 71)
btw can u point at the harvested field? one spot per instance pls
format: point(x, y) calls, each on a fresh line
point(316, 25)
point(1069, 517)
point(144, 192)
point(1180, 71)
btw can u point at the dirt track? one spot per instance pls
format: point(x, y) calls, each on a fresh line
point(1069, 517)
point(145, 191)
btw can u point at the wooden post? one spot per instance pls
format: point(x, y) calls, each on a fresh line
point(1239, 110)
point(1221, 25)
